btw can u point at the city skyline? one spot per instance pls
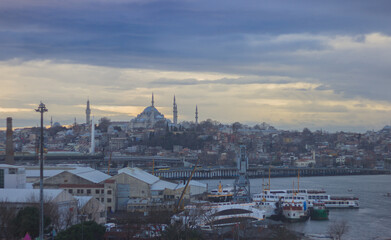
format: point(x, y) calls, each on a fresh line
point(293, 65)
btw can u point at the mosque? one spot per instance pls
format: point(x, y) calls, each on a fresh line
point(149, 117)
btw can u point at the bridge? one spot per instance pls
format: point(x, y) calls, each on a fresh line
point(221, 173)
point(98, 159)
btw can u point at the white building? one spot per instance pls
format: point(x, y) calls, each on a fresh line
point(12, 176)
point(63, 214)
point(91, 209)
point(305, 162)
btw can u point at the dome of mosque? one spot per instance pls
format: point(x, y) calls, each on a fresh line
point(147, 118)
point(150, 110)
point(56, 124)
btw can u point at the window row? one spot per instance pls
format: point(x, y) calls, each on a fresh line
point(88, 191)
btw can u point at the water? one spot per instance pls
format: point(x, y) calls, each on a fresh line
point(371, 221)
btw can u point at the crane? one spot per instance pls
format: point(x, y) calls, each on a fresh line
point(180, 201)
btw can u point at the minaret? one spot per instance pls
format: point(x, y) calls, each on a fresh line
point(175, 112)
point(88, 112)
point(51, 121)
point(196, 115)
point(92, 148)
point(153, 102)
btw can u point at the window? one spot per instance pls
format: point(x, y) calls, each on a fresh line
point(78, 191)
point(81, 191)
point(109, 200)
point(102, 191)
point(102, 199)
point(70, 191)
point(88, 191)
point(97, 191)
point(108, 191)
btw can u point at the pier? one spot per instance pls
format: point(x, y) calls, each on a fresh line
point(226, 173)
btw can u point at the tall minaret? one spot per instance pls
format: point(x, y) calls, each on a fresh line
point(175, 112)
point(196, 115)
point(88, 112)
point(51, 121)
point(153, 102)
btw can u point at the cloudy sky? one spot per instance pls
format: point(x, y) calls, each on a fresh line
point(293, 64)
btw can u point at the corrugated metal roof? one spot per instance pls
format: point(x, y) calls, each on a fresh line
point(196, 183)
point(87, 173)
point(139, 174)
point(90, 174)
point(161, 185)
point(27, 195)
point(46, 172)
point(9, 166)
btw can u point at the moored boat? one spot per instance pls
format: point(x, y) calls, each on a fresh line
point(319, 211)
point(221, 194)
point(270, 208)
point(342, 202)
point(295, 212)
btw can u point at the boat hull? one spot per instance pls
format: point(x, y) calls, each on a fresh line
point(319, 214)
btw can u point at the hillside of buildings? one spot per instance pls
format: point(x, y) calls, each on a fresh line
point(214, 143)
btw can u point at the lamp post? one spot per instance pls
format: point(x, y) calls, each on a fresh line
point(41, 109)
point(82, 217)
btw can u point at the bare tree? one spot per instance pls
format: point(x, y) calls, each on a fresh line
point(51, 211)
point(337, 229)
point(69, 218)
point(7, 215)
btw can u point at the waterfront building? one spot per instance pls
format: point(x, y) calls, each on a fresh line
point(137, 190)
point(80, 181)
point(91, 208)
point(12, 176)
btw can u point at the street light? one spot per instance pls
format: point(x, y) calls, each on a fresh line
point(82, 217)
point(41, 109)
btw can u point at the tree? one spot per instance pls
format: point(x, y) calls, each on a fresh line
point(178, 232)
point(27, 221)
point(88, 231)
point(104, 124)
point(7, 214)
point(236, 126)
point(337, 229)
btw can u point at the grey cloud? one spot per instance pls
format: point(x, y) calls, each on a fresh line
point(225, 81)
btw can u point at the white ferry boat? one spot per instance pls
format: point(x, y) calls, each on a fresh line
point(221, 194)
point(295, 211)
point(270, 208)
point(342, 202)
point(309, 195)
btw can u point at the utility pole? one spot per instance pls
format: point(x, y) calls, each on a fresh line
point(41, 109)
